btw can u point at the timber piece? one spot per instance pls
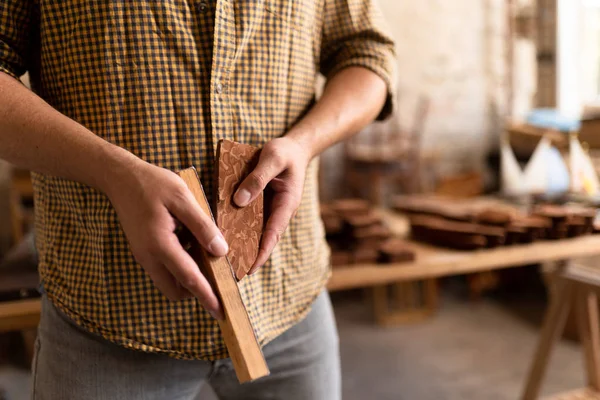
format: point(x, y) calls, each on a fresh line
point(515, 234)
point(340, 257)
point(446, 233)
point(559, 230)
point(444, 238)
point(368, 219)
point(241, 226)
point(238, 334)
point(492, 216)
point(577, 226)
point(436, 207)
point(326, 210)
point(349, 207)
point(366, 243)
point(395, 250)
point(494, 236)
point(333, 224)
point(365, 255)
point(377, 231)
point(588, 214)
point(537, 227)
point(567, 221)
point(554, 212)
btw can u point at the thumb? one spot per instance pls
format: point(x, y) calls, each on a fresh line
point(266, 170)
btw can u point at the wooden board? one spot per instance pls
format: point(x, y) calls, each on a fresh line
point(432, 262)
point(19, 315)
point(238, 334)
point(242, 227)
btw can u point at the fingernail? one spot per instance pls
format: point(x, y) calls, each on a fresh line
point(216, 314)
point(242, 197)
point(253, 270)
point(218, 246)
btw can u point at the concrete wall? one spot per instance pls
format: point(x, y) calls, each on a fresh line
point(453, 52)
point(442, 53)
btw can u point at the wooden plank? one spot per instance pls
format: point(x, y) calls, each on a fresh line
point(19, 315)
point(434, 262)
point(238, 334)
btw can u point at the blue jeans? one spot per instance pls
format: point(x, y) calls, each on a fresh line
point(73, 364)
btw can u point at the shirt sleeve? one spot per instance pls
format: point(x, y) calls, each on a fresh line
point(15, 34)
point(355, 34)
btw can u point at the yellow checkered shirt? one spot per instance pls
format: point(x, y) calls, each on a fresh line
point(166, 80)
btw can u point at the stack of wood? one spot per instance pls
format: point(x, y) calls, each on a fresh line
point(567, 221)
point(460, 226)
point(356, 234)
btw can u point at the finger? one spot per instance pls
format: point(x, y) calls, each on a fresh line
point(188, 212)
point(165, 282)
point(268, 167)
point(187, 273)
point(185, 294)
point(284, 208)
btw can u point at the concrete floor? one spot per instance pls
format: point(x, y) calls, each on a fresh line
point(468, 351)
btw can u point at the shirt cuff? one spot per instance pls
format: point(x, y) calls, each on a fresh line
point(8, 69)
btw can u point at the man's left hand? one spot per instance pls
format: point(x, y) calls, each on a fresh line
point(282, 167)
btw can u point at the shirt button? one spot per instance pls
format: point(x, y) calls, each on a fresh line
point(219, 88)
point(202, 7)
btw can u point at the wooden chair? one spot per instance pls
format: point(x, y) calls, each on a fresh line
point(577, 288)
point(387, 155)
point(384, 155)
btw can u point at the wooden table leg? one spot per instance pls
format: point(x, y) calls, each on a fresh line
point(431, 294)
point(410, 302)
point(589, 334)
point(553, 326)
point(404, 294)
point(380, 303)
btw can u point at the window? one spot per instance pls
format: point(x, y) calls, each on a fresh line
point(578, 55)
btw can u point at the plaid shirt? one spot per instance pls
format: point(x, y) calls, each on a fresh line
point(166, 80)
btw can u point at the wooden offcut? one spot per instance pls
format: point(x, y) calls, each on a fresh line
point(238, 334)
point(241, 226)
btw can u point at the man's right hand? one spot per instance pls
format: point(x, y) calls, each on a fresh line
point(149, 201)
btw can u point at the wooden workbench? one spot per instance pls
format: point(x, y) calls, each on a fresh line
point(19, 315)
point(435, 262)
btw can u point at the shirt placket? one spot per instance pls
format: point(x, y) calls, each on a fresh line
point(223, 54)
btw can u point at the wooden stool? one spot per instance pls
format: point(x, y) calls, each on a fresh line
point(574, 287)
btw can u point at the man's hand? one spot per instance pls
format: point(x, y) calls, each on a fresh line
point(149, 201)
point(281, 166)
